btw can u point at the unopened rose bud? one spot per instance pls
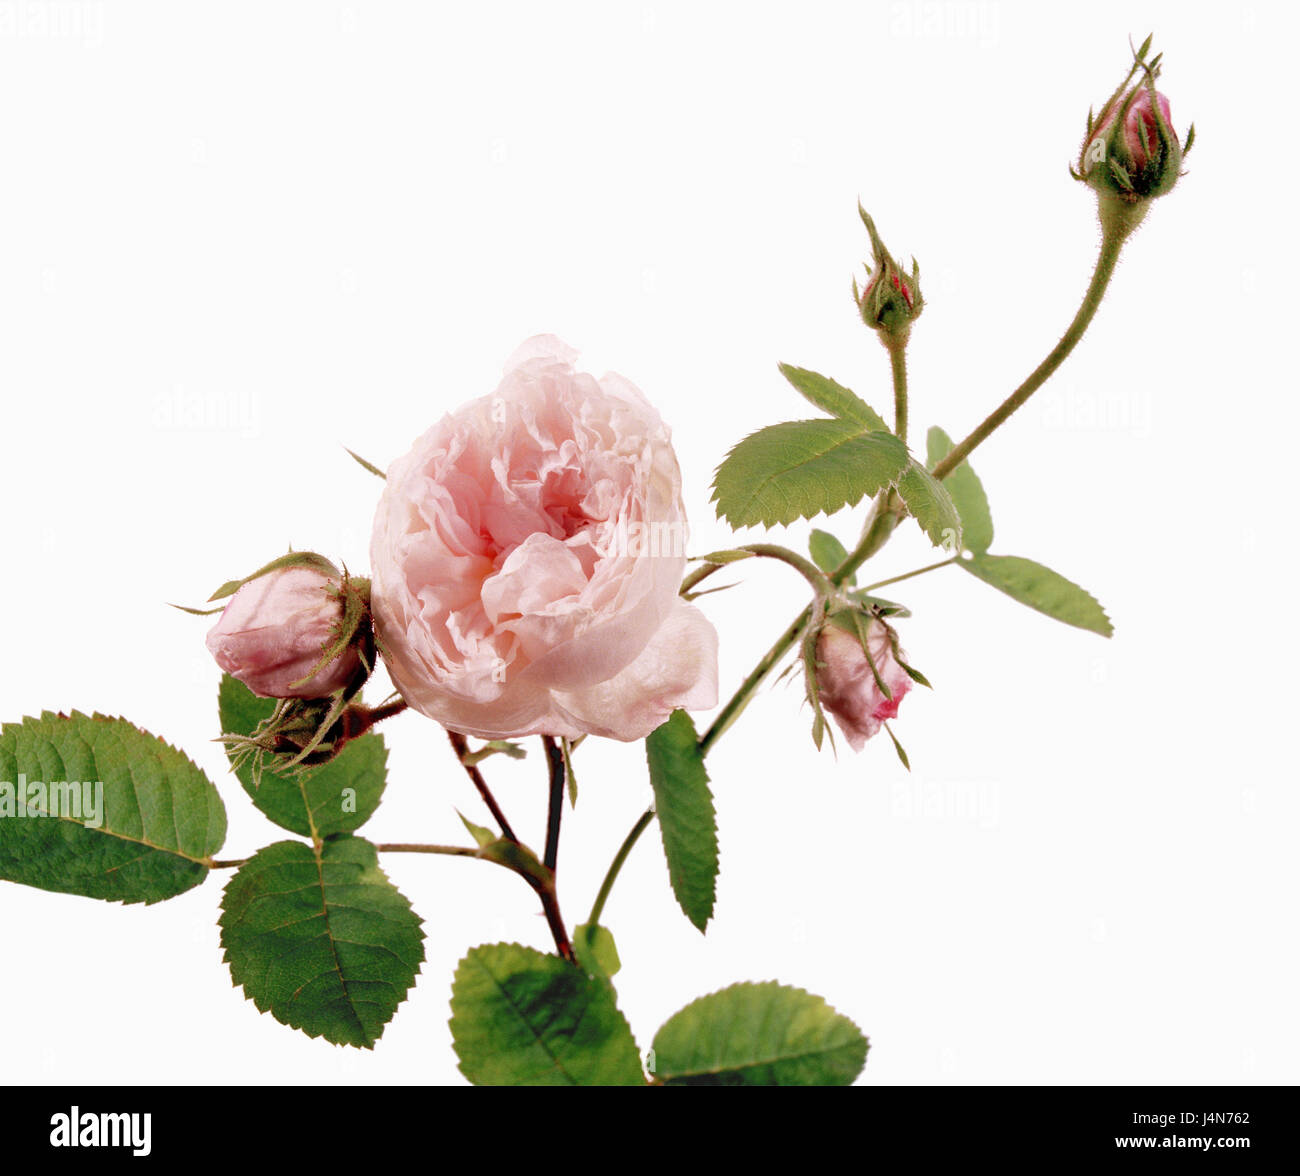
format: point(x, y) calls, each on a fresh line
point(891, 299)
point(1131, 152)
point(276, 630)
point(859, 699)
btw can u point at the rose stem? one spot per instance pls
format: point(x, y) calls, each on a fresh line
point(555, 805)
point(898, 366)
point(611, 875)
point(1112, 241)
point(943, 563)
point(461, 746)
point(738, 701)
point(361, 718)
point(881, 523)
point(411, 847)
point(703, 572)
point(545, 890)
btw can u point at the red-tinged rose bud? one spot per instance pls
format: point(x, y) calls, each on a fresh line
point(1142, 128)
point(1131, 153)
point(860, 692)
point(279, 628)
point(891, 299)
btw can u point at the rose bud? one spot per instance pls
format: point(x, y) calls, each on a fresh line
point(277, 629)
point(1131, 151)
point(859, 698)
point(891, 299)
point(526, 560)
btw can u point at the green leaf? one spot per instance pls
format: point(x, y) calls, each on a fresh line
point(595, 949)
point(832, 398)
point(759, 1035)
point(800, 469)
point(684, 806)
point(337, 797)
point(1041, 588)
point(321, 939)
point(95, 806)
point(929, 503)
point(828, 552)
point(521, 1018)
point(966, 491)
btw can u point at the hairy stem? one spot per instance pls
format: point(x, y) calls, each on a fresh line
point(738, 701)
point(359, 719)
point(898, 367)
point(1114, 234)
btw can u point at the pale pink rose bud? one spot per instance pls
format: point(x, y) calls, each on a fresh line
point(847, 688)
point(275, 630)
point(526, 560)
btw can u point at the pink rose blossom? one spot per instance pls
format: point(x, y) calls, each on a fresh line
point(848, 689)
point(274, 630)
point(526, 560)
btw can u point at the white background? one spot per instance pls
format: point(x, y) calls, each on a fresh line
point(237, 236)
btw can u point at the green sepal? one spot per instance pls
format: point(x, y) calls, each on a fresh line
point(294, 559)
point(828, 553)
